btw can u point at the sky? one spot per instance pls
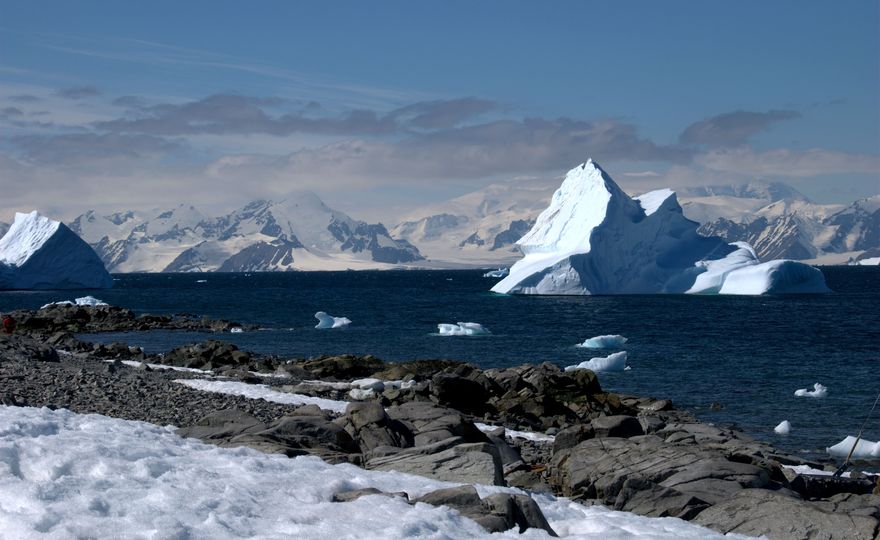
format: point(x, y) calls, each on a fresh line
point(383, 107)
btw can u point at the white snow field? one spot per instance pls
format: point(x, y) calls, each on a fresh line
point(65, 475)
point(595, 239)
point(864, 449)
point(462, 329)
point(329, 321)
point(40, 253)
point(818, 391)
point(611, 341)
point(612, 362)
point(262, 391)
point(784, 428)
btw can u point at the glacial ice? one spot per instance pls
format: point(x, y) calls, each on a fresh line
point(784, 428)
point(40, 253)
point(83, 301)
point(818, 391)
point(864, 449)
point(595, 239)
point(611, 341)
point(329, 321)
point(612, 362)
point(462, 329)
point(501, 272)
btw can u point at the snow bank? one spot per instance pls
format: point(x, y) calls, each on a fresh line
point(595, 239)
point(528, 435)
point(784, 428)
point(329, 321)
point(163, 367)
point(462, 329)
point(40, 253)
point(65, 475)
point(84, 301)
point(612, 362)
point(612, 341)
point(864, 449)
point(806, 469)
point(262, 391)
point(818, 391)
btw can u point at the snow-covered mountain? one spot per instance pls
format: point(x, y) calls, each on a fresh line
point(595, 239)
point(297, 233)
point(778, 221)
point(39, 253)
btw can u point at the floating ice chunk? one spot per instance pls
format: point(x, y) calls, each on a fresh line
point(84, 301)
point(329, 321)
point(864, 449)
point(501, 272)
point(613, 341)
point(612, 362)
point(784, 428)
point(201, 281)
point(462, 329)
point(236, 330)
point(818, 391)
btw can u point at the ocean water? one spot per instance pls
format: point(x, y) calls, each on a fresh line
point(746, 355)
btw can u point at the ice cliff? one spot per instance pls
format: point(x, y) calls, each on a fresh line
point(595, 239)
point(40, 253)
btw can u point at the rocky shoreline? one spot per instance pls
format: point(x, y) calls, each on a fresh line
point(536, 427)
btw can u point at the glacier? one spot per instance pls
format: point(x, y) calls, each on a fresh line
point(40, 253)
point(593, 238)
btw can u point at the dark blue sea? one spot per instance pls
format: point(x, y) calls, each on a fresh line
point(747, 354)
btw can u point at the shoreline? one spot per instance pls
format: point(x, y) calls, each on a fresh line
point(604, 448)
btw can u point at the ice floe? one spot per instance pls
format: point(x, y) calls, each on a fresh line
point(67, 475)
point(864, 449)
point(818, 391)
point(612, 362)
point(262, 391)
point(462, 329)
point(784, 428)
point(611, 341)
point(329, 321)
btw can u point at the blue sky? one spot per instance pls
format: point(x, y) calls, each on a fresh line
point(382, 106)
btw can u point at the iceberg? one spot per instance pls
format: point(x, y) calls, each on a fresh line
point(818, 391)
point(40, 253)
point(784, 428)
point(612, 362)
point(613, 341)
point(329, 321)
point(501, 272)
point(864, 449)
point(596, 239)
point(90, 301)
point(462, 329)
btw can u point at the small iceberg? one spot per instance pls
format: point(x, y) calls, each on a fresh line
point(784, 428)
point(462, 329)
point(329, 321)
point(612, 362)
point(236, 330)
point(500, 273)
point(864, 449)
point(818, 391)
point(84, 301)
point(611, 341)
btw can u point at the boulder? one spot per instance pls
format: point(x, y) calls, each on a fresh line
point(222, 425)
point(344, 367)
point(616, 426)
point(369, 424)
point(468, 462)
point(431, 423)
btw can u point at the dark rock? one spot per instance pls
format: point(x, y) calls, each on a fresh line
point(459, 393)
point(221, 425)
point(616, 426)
point(572, 436)
point(470, 462)
point(342, 367)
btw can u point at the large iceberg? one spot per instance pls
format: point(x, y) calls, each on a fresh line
point(596, 239)
point(40, 253)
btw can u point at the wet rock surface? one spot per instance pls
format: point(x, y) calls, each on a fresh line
point(629, 453)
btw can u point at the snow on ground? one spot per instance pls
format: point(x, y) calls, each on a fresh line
point(262, 391)
point(806, 469)
point(462, 329)
point(329, 321)
point(528, 435)
point(864, 449)
point(784, 428)
point(135, 363)
point(66, 475)
point(84, 301)
point(611, 341)
point(818, 391)
point(612, 362)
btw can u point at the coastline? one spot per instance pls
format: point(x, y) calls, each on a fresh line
point(625, 452)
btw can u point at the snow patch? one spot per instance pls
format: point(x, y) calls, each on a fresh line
point(612, 362)
point(611, 341)
point(528, 435)
point(462, 329)
point(262, 391)
point(329, 321)
point(818, 391)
